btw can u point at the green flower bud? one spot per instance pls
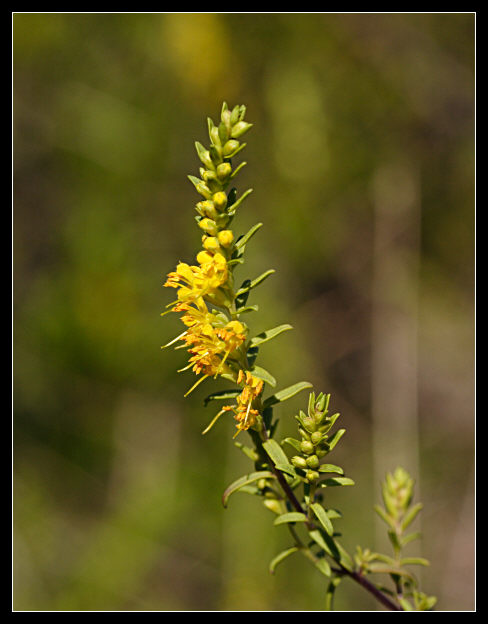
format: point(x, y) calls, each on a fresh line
point(312, 475)
point(313, 461)
point(299, 462)
point(220, 200)
point(309, 424)
point(307, 447)
point(239, 129)
point(316, 437)
point(230, 147)
point(208, 226)
point(224, 170)
point(273, 505)
point(209, 176)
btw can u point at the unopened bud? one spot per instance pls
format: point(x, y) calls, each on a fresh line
point(224, 170)
point(306, 447)
point(225, 238)
point(313, 461)
point(207, 209)
point(211, 244)
point(312, 475)
point(204, 190)
point(316, 437)
point(239, 129)
point(299, 462)
point(273, 505)
point(220, 200)
point(208, 226)
point(230, 147)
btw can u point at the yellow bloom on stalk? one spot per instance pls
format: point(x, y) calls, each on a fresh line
point(245, 414)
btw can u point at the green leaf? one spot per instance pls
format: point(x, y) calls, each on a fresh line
point(249, 452)
point(331, 468)
point(264, 375)
point(380, 568)
point(255, 282)
point(323, 566)
point(293, 442)
point(406, 606)
point(281, 557)
point(232, 211)
point(384, 516)
point(415, 561)
point(334, 439)
point(276, 453)
point(243, 240)
point(220, 395)
point(250, 308)
point(409, 538)
point(292, 516)
point(323, 518)
point(411, 515)
point(327, 544)
point(288, 468)
point(269, 334)
point(286, 393)
point(329, 596)
point(243, 481)
point(336, 481)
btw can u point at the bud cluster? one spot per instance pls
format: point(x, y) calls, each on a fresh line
point(397, 492)
point(314, 428)
point(215, 175)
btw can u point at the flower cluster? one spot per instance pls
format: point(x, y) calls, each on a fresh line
point(214, 335)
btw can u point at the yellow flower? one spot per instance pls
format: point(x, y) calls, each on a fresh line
point(245, 414)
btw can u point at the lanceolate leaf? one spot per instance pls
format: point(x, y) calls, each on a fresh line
point(336, 481)
point(255, 282)
point(279, 558)
point(269, 334)
point(331, 468)
point(276, 453)
point(411, 515)
point(292, 516)
point(264, 375)
point(286, 393)
point(243, 240)
point(324, 520)
point(221, 394)
point(323, 566)
point(243, 481)
point(334, 439)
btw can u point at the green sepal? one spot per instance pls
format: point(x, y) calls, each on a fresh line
point(269, 334)
point(264, 375)
point(323, 518)
point(244, 481)
point(281, 557)
point(286, 393)
point(292, 516)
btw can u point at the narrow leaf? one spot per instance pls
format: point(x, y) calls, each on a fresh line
point(384, 516)
point(293, 442)
point(243, 481)
point(286, 393)
point(262, 373)
point(220, 395)
point(323, 566)
point(411, 515)
point(292, 516)
point(329, 596)
point(276, 453)
point(334, 439)
point(255, 282)
point(269, 334)
point(331, 468)
point(323, 518)
point(243, 240)
point(415, 561)
point(281, 557)
point(336, 481)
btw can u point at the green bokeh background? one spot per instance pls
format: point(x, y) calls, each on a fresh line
point(362, 163)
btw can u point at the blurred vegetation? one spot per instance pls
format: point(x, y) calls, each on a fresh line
point(116, 494)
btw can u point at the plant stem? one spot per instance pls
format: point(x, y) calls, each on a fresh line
point(355, 576)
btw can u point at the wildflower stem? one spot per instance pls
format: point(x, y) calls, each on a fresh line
point(355, 576)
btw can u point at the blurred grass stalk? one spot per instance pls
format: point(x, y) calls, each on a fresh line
point(396, 197)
